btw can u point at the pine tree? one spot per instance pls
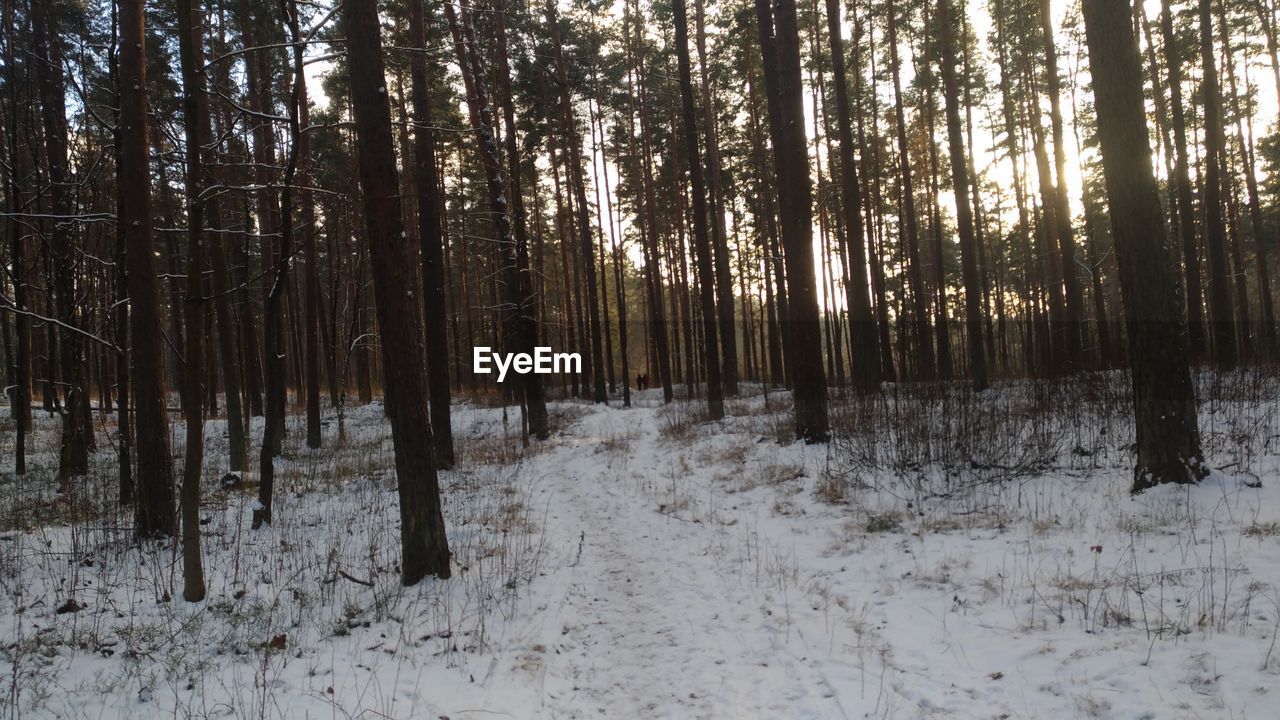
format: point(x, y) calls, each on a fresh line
point(795, 210)
point(866, 361)
point(154, 508)
point(431, 239)
point(701, 243)
point(1168, 446)
point(1222, 316)
point(425, 547)
point(964, 212)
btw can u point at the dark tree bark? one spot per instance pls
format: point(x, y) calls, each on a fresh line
point(615, 254)
point(237, 433)
point(1239, 276)
point(925, 367)
point(1222, 316)
point(1253, 204)
point(311, 301)
point(154, 510)
point(76, 427)
point(120, 311)
point(941, 311)
point(1164, 401)
point(21, 398)
point(1060, 359)
point(701, 243)
point(224, 318)
point(592, 118)
point(529, 318)
point(422, 533)
point(796, 212)
point(195, 111)
point(652, 249)
point(519, 325)
point(1072, 297)
point(964, 212)
point(773, 111)
point(258, 101)
point(1186, 216)
point(273, 342)
point(251, 360)
point(431, 240)
point(862, 325)
point(573, 155)
point(979, 224)
point(715, 196)
point(873, 201)
point(1030, 277)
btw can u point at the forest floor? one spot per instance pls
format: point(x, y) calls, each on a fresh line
point(945, 557)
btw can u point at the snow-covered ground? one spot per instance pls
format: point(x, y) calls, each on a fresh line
point(946, 556)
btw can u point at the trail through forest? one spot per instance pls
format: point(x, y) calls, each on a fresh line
point(701, 570)
point(655, 608)
point(646, 562)
point(968, 390)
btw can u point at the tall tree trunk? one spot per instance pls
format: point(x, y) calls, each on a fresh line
point(1239, 276)
point(1164, 402)
point(1266, 15)
point(19, 261)
point(329, 319)
point(529, 318)
point(680, 275)
point(562, 237)
point(598, 147)
point(74, 456)
point(1245, 151)
point(1182, 179)
point(619, 289)
point(873, 204)
point(1164, 145)
point(258, 100)
point(862, 325)
point(964, 212)
point(120, 311)
point(573, 154)
point(154, 510)
point(1059, 344)
point(431, 239)
point(942, 318)
point(1072, 297)
point(652, 250)
point(520, 325)
point(1222, 316)
point(273, 342)
point(925, 367)
point(979, 222)
point(795, 209)
point(252, 358)
point(195, 112)
point(701, 244)
point(715, 198)
point(236, 431)
point(1030, 280)
point(422, 533)
point(773, 111)
point(311, 302)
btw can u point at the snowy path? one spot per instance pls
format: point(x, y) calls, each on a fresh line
point(645, 611)
point(643, 563)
